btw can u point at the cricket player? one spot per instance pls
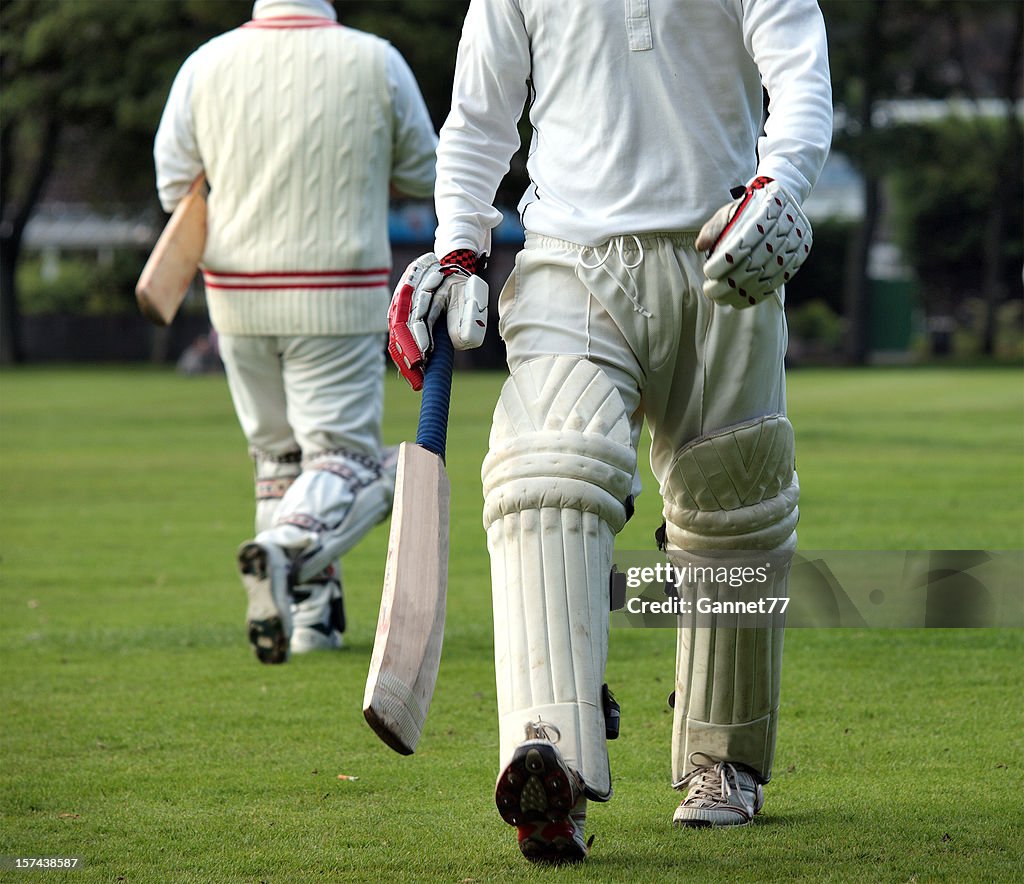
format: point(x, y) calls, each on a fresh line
point(662, 219)
point(302, 127)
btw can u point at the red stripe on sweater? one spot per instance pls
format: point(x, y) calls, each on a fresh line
point(290, 21)
point(256, 286)
point(265, 274)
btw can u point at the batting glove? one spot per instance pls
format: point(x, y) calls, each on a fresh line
point(427, 288)
point(755, 244)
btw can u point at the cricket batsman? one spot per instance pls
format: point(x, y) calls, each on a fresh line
point(302, 127)
point(662, 219)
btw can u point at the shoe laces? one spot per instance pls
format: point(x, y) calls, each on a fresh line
point(712, 784)
point(542, 730)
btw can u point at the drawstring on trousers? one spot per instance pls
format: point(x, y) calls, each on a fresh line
point(629, 285)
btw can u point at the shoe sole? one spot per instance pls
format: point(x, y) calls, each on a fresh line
point(534, 787)
point(555, 851)
point(703, 823)
point(708, 824)
point(264, 623)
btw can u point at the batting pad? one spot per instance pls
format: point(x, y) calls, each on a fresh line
point(274, 476)
point(558, 472)
point(729, 495)
point(735, 488)
point(728, 677)
point(337, 498)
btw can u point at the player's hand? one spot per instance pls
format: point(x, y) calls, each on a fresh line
point(427, 287)
point(755, 244)
point(413, 311)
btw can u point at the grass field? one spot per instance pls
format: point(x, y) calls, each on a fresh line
point(139, 733)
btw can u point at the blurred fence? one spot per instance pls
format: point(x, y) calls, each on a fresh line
point(125, 336)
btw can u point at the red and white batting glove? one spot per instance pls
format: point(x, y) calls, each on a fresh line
point(427, 287)
point(755, 244)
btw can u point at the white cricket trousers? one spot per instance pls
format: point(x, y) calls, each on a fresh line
point(634, 307)
point(299, 398)
point(307, 394)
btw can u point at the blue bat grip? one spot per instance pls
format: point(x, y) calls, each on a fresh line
point(432, 430)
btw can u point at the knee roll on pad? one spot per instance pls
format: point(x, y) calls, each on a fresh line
point(735, 488)
point(560, 438)
point(556, 478)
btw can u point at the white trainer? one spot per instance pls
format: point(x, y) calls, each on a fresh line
point(719, 795)
point(318, 613)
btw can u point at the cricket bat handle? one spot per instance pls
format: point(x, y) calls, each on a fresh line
point(432, 430)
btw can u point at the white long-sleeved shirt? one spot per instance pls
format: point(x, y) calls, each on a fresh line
point(644, 112)
point(301, 125)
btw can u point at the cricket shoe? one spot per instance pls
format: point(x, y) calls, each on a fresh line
point(556, 843)
point(265, 574)
point(318, 613)
point(721, 794)
point(543, 798)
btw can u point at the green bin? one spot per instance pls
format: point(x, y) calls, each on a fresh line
point(891, 315)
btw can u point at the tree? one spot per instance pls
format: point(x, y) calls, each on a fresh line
point(84, 84)
point(426, 32)
point(94, 68)
point(999, 72)
point(923, 49)
point(860, 78)
point(957, 214)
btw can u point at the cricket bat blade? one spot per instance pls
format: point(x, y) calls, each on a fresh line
point(410, 628)
point(172, 265)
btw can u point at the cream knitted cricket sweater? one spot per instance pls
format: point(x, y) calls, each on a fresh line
point(300, 127)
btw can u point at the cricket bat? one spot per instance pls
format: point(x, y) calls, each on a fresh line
point(410, 628)
point(175, 258)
